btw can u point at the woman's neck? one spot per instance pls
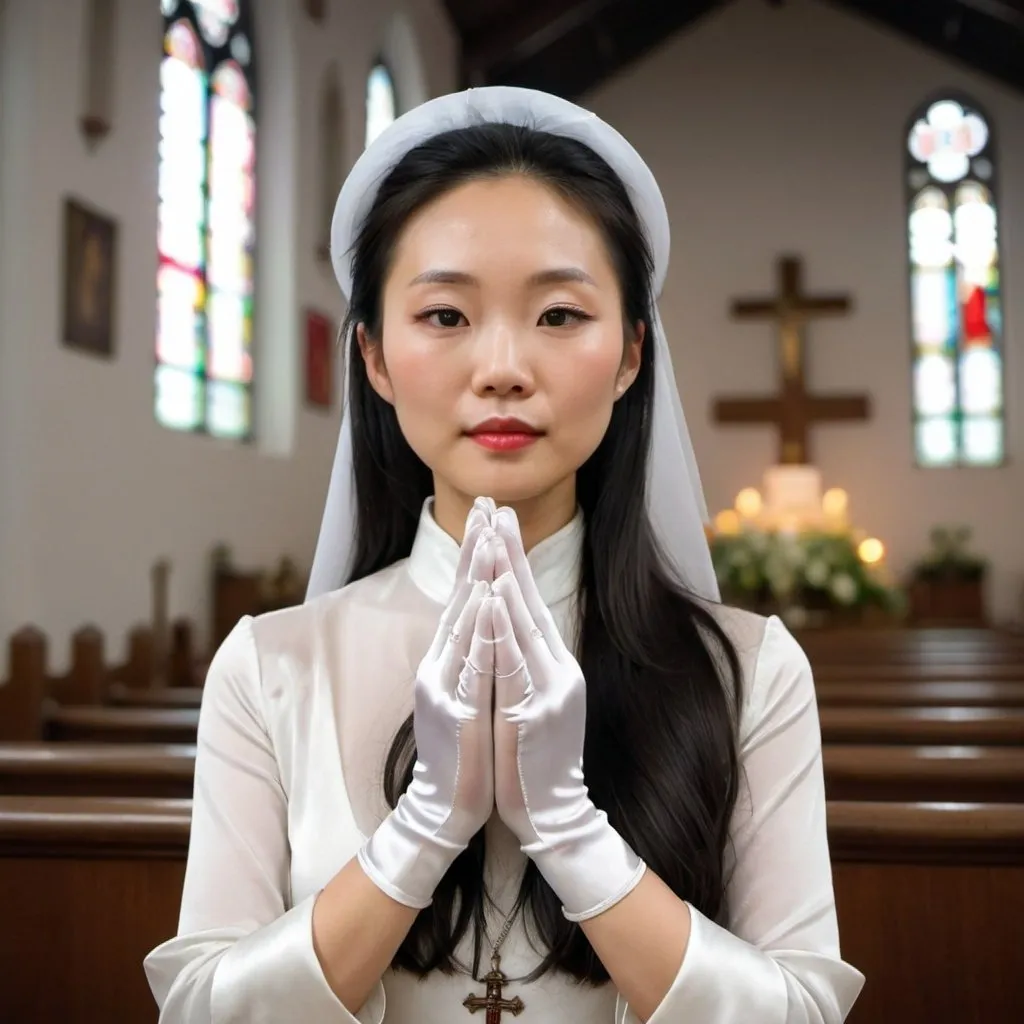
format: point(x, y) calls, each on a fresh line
point(539, 517)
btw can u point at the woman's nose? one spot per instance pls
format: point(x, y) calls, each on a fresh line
point(501, 361)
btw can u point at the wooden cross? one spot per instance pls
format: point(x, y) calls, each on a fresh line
point(793, 410)
point(494, 1003)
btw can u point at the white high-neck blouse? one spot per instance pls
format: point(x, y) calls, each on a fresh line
point(299, 710)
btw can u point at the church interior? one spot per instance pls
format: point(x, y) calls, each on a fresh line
point(856, 404)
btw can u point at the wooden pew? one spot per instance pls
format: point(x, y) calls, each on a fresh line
point(917, 693)
point(907, 655)
point(100, 770)
point(120, 695)
point(866, 654)
point(902, 645)
point(895, 773)
point(35, 705)
point(922, 726)
point(88, 886)
point(930, 898)
point(120, 725)
point(852, 772)
point(953, 671)
point(236, 593)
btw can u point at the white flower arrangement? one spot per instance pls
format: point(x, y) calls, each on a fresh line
point(800, 573)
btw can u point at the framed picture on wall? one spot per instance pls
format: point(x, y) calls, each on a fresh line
point(319, 361)
point(90, 272)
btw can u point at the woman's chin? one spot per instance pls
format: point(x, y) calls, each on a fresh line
point(508, 496)
point(511, 488)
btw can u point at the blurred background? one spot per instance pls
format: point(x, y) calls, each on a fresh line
point(169, 381)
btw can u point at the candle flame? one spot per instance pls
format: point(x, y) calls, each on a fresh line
point(871, 551)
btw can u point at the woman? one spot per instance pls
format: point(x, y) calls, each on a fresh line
point(501, 251)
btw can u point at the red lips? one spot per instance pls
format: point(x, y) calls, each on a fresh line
point(504, 434)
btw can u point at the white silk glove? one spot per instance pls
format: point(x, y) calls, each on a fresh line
point(451, 795)
point(539, 727)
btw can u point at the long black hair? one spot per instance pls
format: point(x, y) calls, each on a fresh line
point(663, 679)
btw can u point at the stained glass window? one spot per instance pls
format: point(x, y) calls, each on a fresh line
point(955, 294)
point(381, 107)
point(206, 224)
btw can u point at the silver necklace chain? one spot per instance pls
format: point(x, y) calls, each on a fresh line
point(505, 929)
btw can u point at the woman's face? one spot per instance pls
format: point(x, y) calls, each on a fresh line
point(504, 346)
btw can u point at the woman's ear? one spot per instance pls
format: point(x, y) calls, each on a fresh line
point(373, 356)
point(631, 354)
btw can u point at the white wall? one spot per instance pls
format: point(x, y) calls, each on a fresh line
point(92, 491)
point(781, 130)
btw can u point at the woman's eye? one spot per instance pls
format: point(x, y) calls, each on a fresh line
point(562, 316)
point(447, 318)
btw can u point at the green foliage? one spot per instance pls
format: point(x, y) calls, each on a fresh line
point(811, 570)
point(949, 558)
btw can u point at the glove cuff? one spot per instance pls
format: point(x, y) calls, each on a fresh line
point(405, 859)
point(589, 872)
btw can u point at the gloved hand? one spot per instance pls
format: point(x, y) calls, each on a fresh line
point(539, 727)
point(451, 795)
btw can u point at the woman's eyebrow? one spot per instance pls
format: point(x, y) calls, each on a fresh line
point(561, 275)
point(443, 277)
point(557, 275)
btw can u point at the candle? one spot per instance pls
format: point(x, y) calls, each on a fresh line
point(749, 504)
point(871, 551)
point(727, 523)
point(834, 505)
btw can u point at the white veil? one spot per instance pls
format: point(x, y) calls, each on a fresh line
point(675, 499)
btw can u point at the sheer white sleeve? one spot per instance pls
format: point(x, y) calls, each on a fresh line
point(779, 961)
point(241, 953)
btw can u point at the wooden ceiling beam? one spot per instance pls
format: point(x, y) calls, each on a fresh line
point(528, 34)
point(959, 29)
point(1011, 12)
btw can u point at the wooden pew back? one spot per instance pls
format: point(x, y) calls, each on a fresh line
point(930, 899)
point(926, 773)
point(923, 725)
point(918, 693)
point(121, 725)
point(893, 645)
point(35, 704)
point(915, 654)
point(88, 887)
point(97, 769)
point(953, 671)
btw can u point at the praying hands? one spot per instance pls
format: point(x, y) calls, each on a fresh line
point(500, 719)
point(539, 726)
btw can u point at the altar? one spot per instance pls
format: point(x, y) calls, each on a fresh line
point(790, 546)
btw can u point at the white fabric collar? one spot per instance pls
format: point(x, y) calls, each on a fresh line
point(555, 561)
